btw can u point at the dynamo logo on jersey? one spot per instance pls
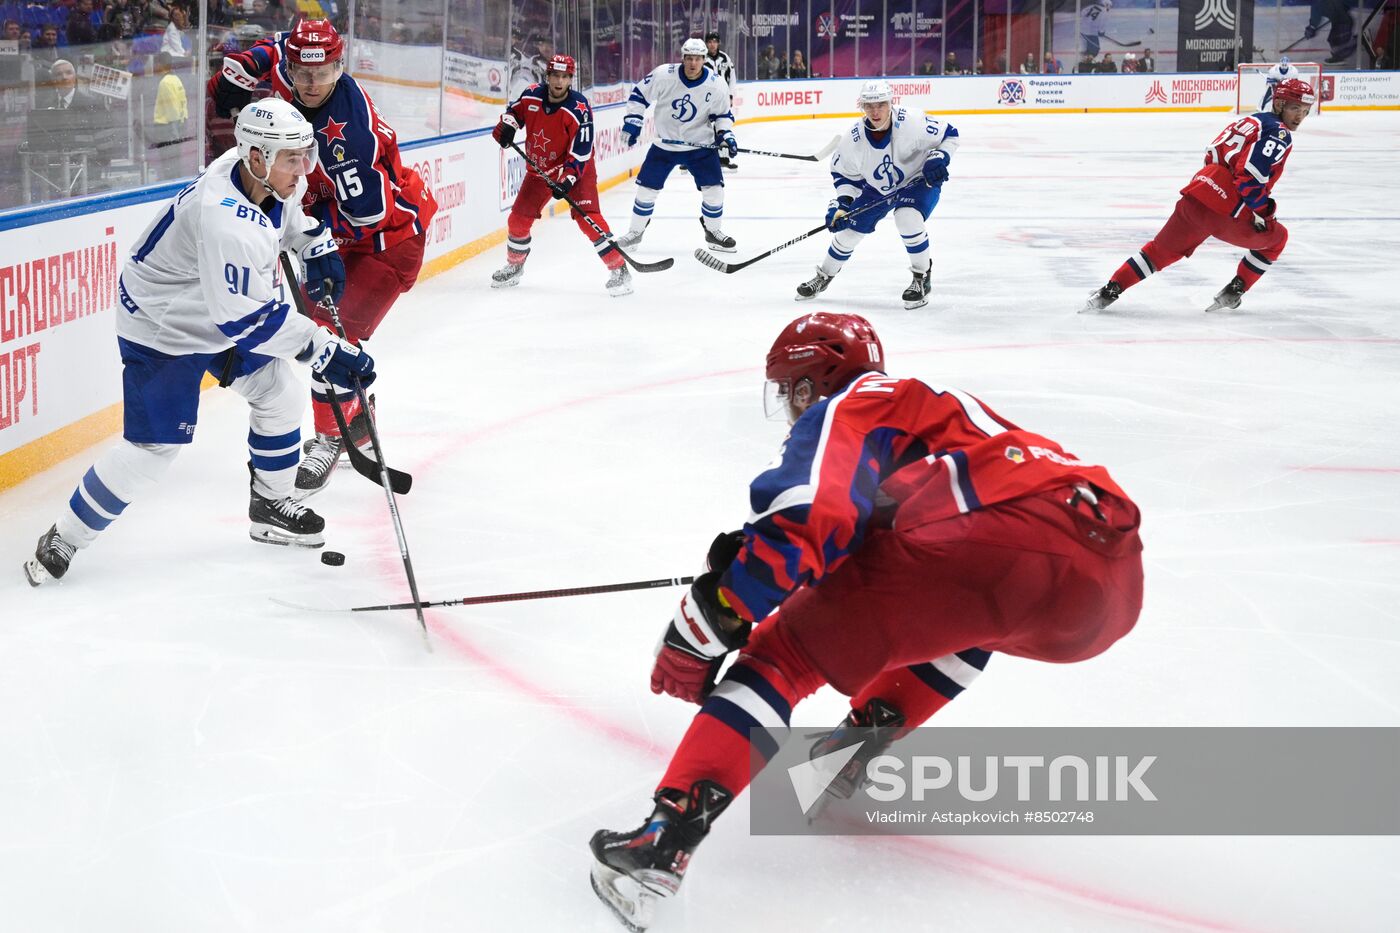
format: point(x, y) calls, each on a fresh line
point(1215, 11)
point(683, 109)
point(887, 174)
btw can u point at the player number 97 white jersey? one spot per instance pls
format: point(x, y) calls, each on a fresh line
point(858, 164)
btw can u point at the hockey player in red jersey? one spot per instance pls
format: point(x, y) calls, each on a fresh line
point(1227, 199)
point(904, 533)
point(379, 210)
point(557, 126)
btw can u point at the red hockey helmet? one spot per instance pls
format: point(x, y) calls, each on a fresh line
point(1297, 90)
point(824, 350)
point(560, 64)
point(314, 42)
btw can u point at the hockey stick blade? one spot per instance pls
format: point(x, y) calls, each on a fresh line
point(714, 262)
point(659, 266)
point(399, 481)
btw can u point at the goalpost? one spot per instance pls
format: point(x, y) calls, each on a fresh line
point(1249, 89)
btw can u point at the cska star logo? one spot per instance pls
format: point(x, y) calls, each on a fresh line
point(332, 130)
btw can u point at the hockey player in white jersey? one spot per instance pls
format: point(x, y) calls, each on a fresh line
point(721, 64)
point(692, 107)
point(201, 293)
point(1283, 71)
point(889, 150)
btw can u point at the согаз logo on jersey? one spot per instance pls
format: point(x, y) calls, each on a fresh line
point(1011, 93)
point(1156, 92)
point(1215, 11)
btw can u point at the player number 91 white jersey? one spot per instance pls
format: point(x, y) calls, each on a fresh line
point(690, 112)
point(858, 164)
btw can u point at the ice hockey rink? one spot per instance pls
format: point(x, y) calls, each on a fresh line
point(177, 752)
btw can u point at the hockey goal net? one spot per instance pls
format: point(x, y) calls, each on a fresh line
point(1249, 89)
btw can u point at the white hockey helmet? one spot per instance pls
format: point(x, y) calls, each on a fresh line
point(271, 126)
point(874, 92)
point(694, 46)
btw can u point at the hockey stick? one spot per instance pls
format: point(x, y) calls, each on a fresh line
point(1126, 45)
point(728, 268)
point(1324, 22)
point(817, 156)
point(398, 480)
point(506, 597)
point(659, 266)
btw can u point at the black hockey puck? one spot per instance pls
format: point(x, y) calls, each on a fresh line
point(334, 558)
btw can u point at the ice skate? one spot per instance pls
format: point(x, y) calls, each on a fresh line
point(874, 726)
point(631, 237)
point(1229, 297)
point(51, 558)
point(916, 295)
point(283, 521)
point(717, 241)
point(813, 286)
point(321, 454)
point(619, 282)
point(508, 275)
point(631, 870)
point(1101, 298)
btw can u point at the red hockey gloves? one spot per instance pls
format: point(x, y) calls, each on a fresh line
point(691, 651)
point(727, 143)
point(337, 361)
point(632, 128)
point(506, 128)
point(723, 550)
point(936, 167)
point(836, 214)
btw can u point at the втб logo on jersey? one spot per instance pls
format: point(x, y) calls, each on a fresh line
point(1215, 11)
point(683, 109)
point(888, 174)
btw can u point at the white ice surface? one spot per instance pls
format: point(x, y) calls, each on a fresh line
point(179, 754)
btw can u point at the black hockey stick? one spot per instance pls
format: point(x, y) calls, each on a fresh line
point(714, 262)
point(659, 266)
point(507, 597)
point(399, 481)
point(1126, 45)
point(1324, 22)
point(817, 156)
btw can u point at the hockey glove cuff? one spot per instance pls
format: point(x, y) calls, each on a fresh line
point(723, 550)
point(694, 645)
point(506, 128)
point(563, 186)
point(338, 361)
point(632, 128)
point(325, 270)
point(836, 214)
point(936, 167)
point(727, 143)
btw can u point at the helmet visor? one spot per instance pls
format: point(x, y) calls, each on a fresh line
point(777, 400)
point(298, 161)
point(314, 75)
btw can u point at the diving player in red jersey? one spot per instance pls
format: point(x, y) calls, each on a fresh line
point(379, 211)
point(1227, 199)
point(904, 533)
point(557, 123)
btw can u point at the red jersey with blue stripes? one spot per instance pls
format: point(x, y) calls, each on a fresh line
point(558, 137)
point(932, 452)
point(360, 186)
point(1254, 149)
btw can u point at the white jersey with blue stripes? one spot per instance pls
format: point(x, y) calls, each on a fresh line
point(691, 111)
point(204, 276)
point(859, 164)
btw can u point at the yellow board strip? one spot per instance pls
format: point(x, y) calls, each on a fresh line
point(41, 453)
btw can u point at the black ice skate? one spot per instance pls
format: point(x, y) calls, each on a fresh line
point(283, 521)
point(1101, 298)
point(508, 275)
point(718, 241)
point(619, 282)
point(813, 286)
point(1230, 296)
point(51, 558)
point(320, 456)
point(874, 726)
point(631, 870)
point(916, 295)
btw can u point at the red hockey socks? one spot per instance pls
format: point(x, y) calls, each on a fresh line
point(321, 415)
point(607, 252)
point(1254, 264)
point(1137, 268)
point(921, 690)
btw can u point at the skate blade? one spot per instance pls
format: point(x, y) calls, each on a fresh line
point(1218, 306)
point(36, 573)
point(635, 910)
point(508, 283)
point(723, 249)
point(619, 292)
point(270, 534)
point(912, 305)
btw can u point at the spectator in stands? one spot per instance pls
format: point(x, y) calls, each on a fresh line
point(1108, 66)
point(157, 17)
point(399, 34)
point(1086, 65)
point(46, 49)
point(121, 15)
point(1148, 63)
point(63, 92)
point(1028, 66)
point(264, 16)
point(767, 62)
point(1052, 65)
point(81, 29)
point(1001, 64)
point(929, 67)
point(798, 68)
point(176, 42)
point(979, 69)
point(12, 31)
point(1130, 64)
point(951, 66)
